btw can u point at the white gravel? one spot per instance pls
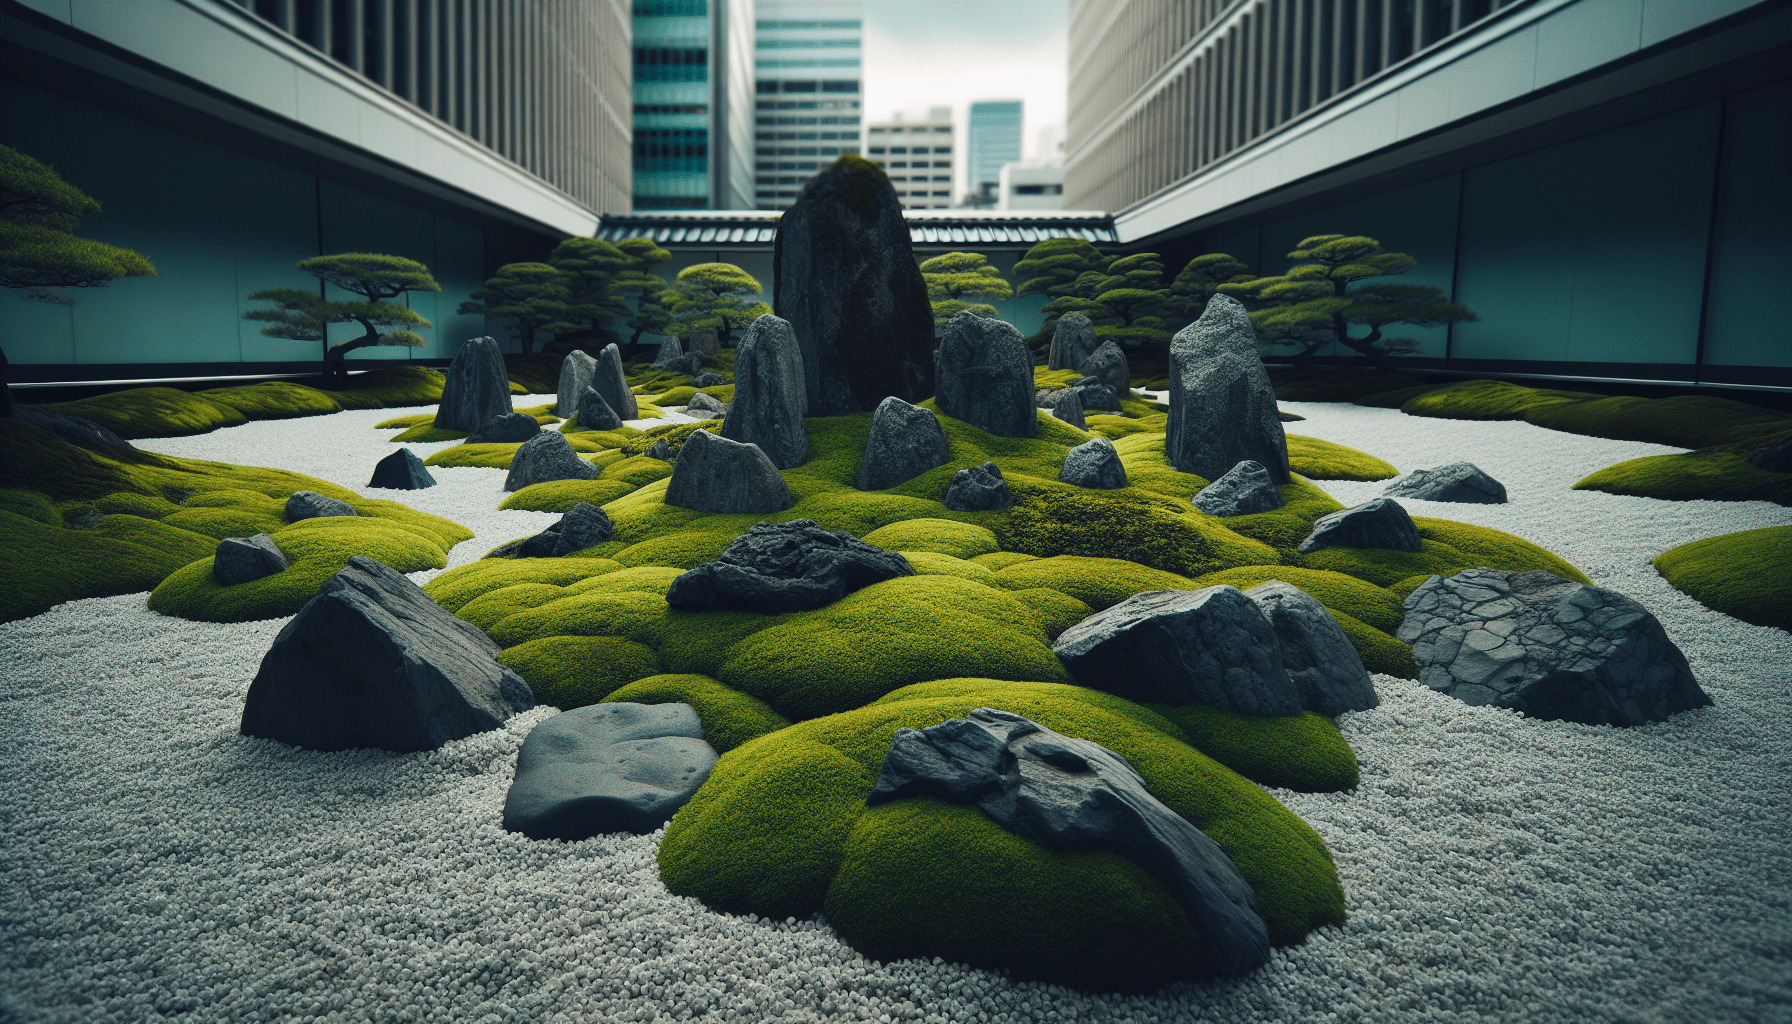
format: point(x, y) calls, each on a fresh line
point(157, 865)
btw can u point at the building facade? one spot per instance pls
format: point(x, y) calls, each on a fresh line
point(1021, 187)
point(693, 98)
point(809, 74)
point(992, 138)
point(917, 156)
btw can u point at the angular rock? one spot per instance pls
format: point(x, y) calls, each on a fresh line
point(1376, 523)
point(1107, 364)
point(714, 474)
point(82, 433)
point(1222, 407)
point(1094, 463)
point(708, 380)
point(595, 413)
point(703, 343)
point(505, 428)
point(905, 441)
point(977, 489)
point(1327, 671)
point(241, 559)
point(1096, 395)
point(1067, 793)
point(1775, 458)
point(1546, 647)
point(575, 376)
point(769, 397)
point(669, 349)
point(690, 363)
point(1072, 341)
point(477, 387)
point(985, 376)
point(844, 275)
point(660, 450)
point(582, 526)
point(706, 405)
point(1211, 647)
point(1458, 481)
point(547, 456)
point(607, 768)
point(785, 567)
point(1070, 409)
point(1244, 490)
point(312, 505)
point(401, 471)
point(371, 661)
point(611, 383)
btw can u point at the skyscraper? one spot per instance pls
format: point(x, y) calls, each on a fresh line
point(692, 116)
point(992, 139)
point(917, 155)
point(809, 70)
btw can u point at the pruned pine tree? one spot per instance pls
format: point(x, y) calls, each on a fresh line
point(1201, 279)
point(303, 316)
point(713, 298)
point(39, 251)
point(532, 295)
point(957, 276)
point(589, 269)
point(1069, 272)
point(637, 284)
point(1133, 306)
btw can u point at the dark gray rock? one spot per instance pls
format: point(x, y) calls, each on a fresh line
point(1094, 463)
point(1376, 523)
point(701, 404)
point(582, 526)
point(905, 441)
point(844, 275)
point(1222, 407)
point(703, 343)
point(595, 413)
point(1107, 364)
point(401, 471)
point(1458, 481)
point(1096, 395)
point(1071, 794)
point(669, 349)
point(477, 387)
point(1072, 341)
point(1327, 671)
point(1211, 647)
point(1244, 490)
point(1546, 647)
point(607, 768)
point(1070, 409)
point(612, 383)
point(660, 450)
point(785, 567)
point(82, 433)
point(709, 380)
point(1774, 458)
point(371, 661)
point(985, 376)
point(547, 456)
point(505, 428)
point(977, 489)
point(312, 505)
point(769, 398)
point(690, 363)
point(241, 559)
point(576, 371)
point(714, 474)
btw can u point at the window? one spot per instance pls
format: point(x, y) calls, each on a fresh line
point(672, 9)
point(942, 149)
point(877, 150)
point(947, 193)
point(942, 163)
point(848, 85)
point(942, 177)
point(900, 163)
point(877, 131)
point(671, 149)
point(668, 64)
point(899, 149)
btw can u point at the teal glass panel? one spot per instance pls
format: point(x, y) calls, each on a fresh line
point(31, 121)
point(354, 221)
point(1518, 254)
point(1745, 321)
point(459, 267)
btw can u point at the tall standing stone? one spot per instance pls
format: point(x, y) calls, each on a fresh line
point(985, 376)
point(612, 383)
point(1222, 407)
point(477, 387)
point(844, 275)
point(769, 396)
point(575, 377)
point(1108, 365)
point(1072, 342)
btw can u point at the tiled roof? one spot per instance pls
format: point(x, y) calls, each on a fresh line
point(1000, 229)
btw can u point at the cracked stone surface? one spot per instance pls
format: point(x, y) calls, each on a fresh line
point(1458, 481)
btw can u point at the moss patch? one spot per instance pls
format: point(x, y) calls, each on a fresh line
point(1096, 582)
point(1132, 524)
point(1447, 548)
point(729, 716)
point(1747, 575)
point(47, 564)
point(1324, 460)
point(1374, 605)
point(573, 671)
point(456, 587)
point(274, 400)
point(562, 495)
point(153, 412)
point(944, 536)
point(1712, 475)
point(1303, 752)
point(1488, 400)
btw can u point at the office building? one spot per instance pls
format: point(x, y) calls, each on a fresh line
point(693, 93)
point(807, 112)
point(1026, 187)
point(917, 155)
point(992, 138)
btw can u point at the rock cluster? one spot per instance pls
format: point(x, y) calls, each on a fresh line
point(905, 441)
point(1222, 407)
point(769, 400)
point(1244, 490)
point(1458, 481)
point(1107, 366)
point(584, 525)
point(595, 413)
point(576, 371)
point(312, 505)
point(607, 768)
point(1327, 672)
point(547, 456)
point(785, 567)
point(701, 404)
point(1376, 523)
point(477, 386)
point(401, 471)
point(612, 383)
point(977, 489)
point(242, 559)
point(714, 474)
point(985, 376)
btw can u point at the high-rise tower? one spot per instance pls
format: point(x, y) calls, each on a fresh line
point(992, 139)
point(809, 72)
point(693, 95)
point(917, 155)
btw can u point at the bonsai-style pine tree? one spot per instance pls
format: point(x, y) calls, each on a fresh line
point(1067, 270)
point(305, 316)
point(638, 285)
point(589, 269)
point(959, 275)
point(39, 214)
point(531, 294)
point(1314, 303)
point(713, 298)
point(1132, 304)
point(1201, 280)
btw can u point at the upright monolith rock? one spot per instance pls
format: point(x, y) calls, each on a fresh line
point(612, 383)
point(595, 413)
point(714, 474)
point(1222, 407)
point(985, 376)
point(844, 276)
point(1072, 341)
point(769, 396)
point(906, 441)
point(476, 389)
point(1108, 365)
point(575, 376)
point(669, 350)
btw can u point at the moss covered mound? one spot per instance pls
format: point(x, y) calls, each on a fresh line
point(1097, 582)
point(942, 536)
point(153, 412)
point(781, 829)
point(274, 400)
point(1488, 400)
point(1448, 547)
point(392, 387)
point(1324, 460)
point(1303, 752)
point(1747, 575)
point(729, 716)
point(1374, 605)
point(47, 563)
point(573, 671)
point(1714, 475)
point(1139, 526)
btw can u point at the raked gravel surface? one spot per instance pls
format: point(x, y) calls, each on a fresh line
point(157, 865)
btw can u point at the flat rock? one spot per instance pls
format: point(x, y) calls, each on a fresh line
point(575, 376)
point(714, 474)
point(1774, 458)
point(82, 433)
point(905, 441)
point(505, 428)
point(1222, 406)
point(985, 376)
point(612, 383)
point(401, 471)
point(785, 567)
point(1327, 671)
point(1211, 647)
point(371, 661)
point(1070, 409)
point(1458, 481)
point(1376, 523)
point(709, 380)
point(241, 559)
point(769, 397)
point(1547, 647)
point(1244, 490)
point(1094, 463)
point(977, 489)
point(607, 768)
point(706, 405)
point(595, 413)
point(1067, 793)
point(547, 456)
point(476, 388)
point(1107, 364)
point(1072, 341)
point(312, 505)
point(580, 527)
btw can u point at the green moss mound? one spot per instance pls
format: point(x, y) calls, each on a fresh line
point(1324, 460)
point(781, 829)
point(729, 716)
point(1711, 475)
point(1374, 605)
point(573, 671)
point(932, 563)
point(1447, 548)
point(1692, 421)
point(943, 536)
point(1139, 526)
point(274, 400)
point(47, 564)
point(1747, 575)
point(1096, 582)
point(454, 588)
point(562, 495)
point(1380, 652)
point(1488, 400)
point(1303, 752)
point(425, 433)
point(153, 412)
point(1284, 528)
point(401, 422)
point(1053, 610)
point(392, 387)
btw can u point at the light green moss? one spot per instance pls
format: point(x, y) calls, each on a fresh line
point(574, 671)
point(562, 495)
point(729, 717)
point(392, 386)
point(997, 560)
point(458, 586)
point(1303, 752)
point(686, 549)
point(1115, 427)
point(425, 433)
point(944, 536)
point(1374, 605)
point(420, 419)
point(34, 506)
point(1747, 575)
point(1097, 582)
point(1140, 526)
point(153, 412)
point(274, 400)
point(1053, 610)
point(130, 503)
point(1380, 652)
point(1713, 476)
point(932, 563)
point(1447, 548)
point(637, 470)
point(1284, 528)
point(47, 564)
point(1488, 400)
point(1324, 460)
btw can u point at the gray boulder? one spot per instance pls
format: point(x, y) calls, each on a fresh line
point(1774, 458)
point(82, 433)
point(1094, 463)
point(312, 505)
point(1067, 793)
point(1458, 481)
point(669, 349)
point(977, 489)
point(1222, 407)
point(1244, 490)
point(547, 456)
point(595, 413)
point(1070, 409)
point(769, 398)
point(660, 450)
point(607, 768)
point(1376, 523)
point(1546, 647)
point(985, 376)
point(709, 380)
point(701, 404)
point(505, 428)
point(1211, 647)
point(714, 474)
point(477, 386)
point(785, 567)
point(612, 383)
point(905, 441)
point(401, 471)
point(241, 559)
point(580, 527)
point(1072, 341)
point(1096, 395)
point(371, 661)
point(576, 371)
point(1107, 364)
point(703, 343)
point(1327, 671)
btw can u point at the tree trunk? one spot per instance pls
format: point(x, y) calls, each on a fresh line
point(335, 369)
point(1366, 347)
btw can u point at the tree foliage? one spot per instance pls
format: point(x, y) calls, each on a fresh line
point(957, 276)
point(713, 298)
point(305, 316)
point(39, 213)
point(589, 269)
point(637, 284)
point(532, 295)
